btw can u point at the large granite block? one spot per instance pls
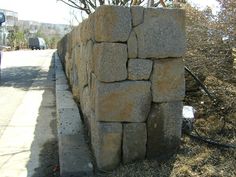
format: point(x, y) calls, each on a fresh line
point(137, 15)
point(110, 61)
point(139, 69)
point(112, 23)
point(106, 143)
point(132, 45)
point(127, 101)
point(164, 129)
point(168, 82)
point(81, 63)
point(162, 34)
point(134, 142)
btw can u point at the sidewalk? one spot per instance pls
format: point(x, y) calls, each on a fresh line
point(28, 145)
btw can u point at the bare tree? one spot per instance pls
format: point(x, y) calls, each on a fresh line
point(88, 6)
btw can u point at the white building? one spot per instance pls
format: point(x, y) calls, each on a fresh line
point(11, 20)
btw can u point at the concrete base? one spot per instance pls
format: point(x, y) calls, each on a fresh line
point(74, 154)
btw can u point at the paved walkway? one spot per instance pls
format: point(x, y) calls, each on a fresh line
point(28, 145)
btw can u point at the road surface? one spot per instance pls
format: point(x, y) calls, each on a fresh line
point(28, 143)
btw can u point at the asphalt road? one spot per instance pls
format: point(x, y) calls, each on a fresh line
point(28, 143)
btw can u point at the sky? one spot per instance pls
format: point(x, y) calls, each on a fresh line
point(53, 11)
point(213, 4)
point(48, 11)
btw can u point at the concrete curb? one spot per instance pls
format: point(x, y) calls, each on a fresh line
point(74, 154)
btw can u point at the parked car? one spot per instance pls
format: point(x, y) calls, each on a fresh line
point(37, 43)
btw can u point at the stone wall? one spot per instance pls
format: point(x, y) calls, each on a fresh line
point(125, 69)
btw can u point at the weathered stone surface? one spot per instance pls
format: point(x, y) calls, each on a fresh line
point(81, 63)
point(77, 35)
point(110, 61)
point(74, 81)
point(137, 15)
point(73, 37)
point(134, 142)
point(139, 69)
point(67, 65)
point(85, 102)
point(127, 101)
point(164, 129)
point(112, 24)
point(162, 34)
point(69, 45)
point(90, 28)
point(87, 29)
point(132, 45)
point(106, 144)
point(89, 56)
point(168, 82)
point(92, 90)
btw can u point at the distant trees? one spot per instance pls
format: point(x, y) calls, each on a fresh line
point(16, 38)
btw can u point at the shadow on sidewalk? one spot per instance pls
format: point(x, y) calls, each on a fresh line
point(44, 148)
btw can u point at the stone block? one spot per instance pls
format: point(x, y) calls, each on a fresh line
point(132, 45)
point(110, 61)
point(67, 65)
point(134, 142)
point(168, 82)
point(87, 29)
point(112, 23)
point(81, 64)
point(127, 101)
point(74, 156)
point(90, 58)
point(82, 34)
point(73, 37)
point(139, 69)
point(137, 15)
point(106, 144)
point(77, 34)
point(85, 102)
point(74, 73)
point(162, 34)
point(69, 121)
point(92, 90)
point(90, 27)
point(164, 129)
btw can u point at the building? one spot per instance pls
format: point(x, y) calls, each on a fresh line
point(11, 21)
point(11, 17)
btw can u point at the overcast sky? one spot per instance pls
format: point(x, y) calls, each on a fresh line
point(39, 10)
point(51, 11)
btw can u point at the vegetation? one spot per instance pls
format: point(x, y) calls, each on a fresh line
point(210, 39)
point(16, 38)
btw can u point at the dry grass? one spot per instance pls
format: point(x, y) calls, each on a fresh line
point(194, 159)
